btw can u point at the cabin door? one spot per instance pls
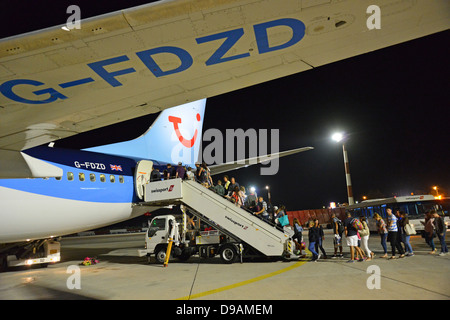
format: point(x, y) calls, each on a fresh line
point(142, 176)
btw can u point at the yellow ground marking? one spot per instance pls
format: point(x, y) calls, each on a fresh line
point(243, 283)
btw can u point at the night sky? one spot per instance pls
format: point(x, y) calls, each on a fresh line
point(392, 103)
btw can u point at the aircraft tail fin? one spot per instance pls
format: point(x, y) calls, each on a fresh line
point(175, 136)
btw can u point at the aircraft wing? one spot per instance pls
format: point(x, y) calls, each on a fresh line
point(224, 167)
point(56, 83)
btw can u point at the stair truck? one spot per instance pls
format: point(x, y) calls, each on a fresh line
point(236, 233)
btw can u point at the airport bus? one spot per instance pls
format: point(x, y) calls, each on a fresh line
point(415, 206)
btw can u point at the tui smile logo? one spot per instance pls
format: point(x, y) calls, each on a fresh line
point(188, 143)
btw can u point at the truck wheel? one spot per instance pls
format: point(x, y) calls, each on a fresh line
point(185, 255)
point(228, 253)
point(160, 254)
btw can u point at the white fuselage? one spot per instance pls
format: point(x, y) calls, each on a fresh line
point(82, 199)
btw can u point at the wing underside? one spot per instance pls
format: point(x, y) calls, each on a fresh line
point(56, 83)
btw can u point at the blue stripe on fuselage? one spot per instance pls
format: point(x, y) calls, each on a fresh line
point(87, 190)
point(78, 162)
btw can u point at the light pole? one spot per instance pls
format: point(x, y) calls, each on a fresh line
point(268, 195)
point(338, 137)
point(270, 207)
point(436, 189)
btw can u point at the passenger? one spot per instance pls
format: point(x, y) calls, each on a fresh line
point(279, 213)
point(180, 171)
point(226, 184)
point(365, 234)
point(406, 237)
point(209, 180)
point(338, 229)
point(393, 233)
point(190, 175)
point(351, 235)
point(298, 237)
point(274, 214)
point(166, 175)
point(257, 209)
point(251, 199)
point(441, 229)
point(321, 238)
point(200, 174)
point(170, 172)
point(265, 213)
point(219, 189)
point(400, 235)
point(359, 256)
point(313, 237)
point(232, 185)
point(197, 172)
point(235, 197)
point(429, 232)
point(155, 175)
point(382, 230)
point(242, 194)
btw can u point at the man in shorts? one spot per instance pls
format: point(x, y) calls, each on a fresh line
point(351, 235)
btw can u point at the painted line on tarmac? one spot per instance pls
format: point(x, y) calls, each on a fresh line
point(243, 283)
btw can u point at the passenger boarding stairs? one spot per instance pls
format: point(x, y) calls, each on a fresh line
point(220, 213)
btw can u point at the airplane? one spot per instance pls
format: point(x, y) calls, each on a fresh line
point(56, 83)
point(99, 186)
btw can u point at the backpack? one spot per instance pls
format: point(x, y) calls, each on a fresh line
point(357, 224)
point(340, 226)
point(234, 198)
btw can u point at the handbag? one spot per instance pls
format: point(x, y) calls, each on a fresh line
point(365, 231)
point(284, 220)
point(410, 229)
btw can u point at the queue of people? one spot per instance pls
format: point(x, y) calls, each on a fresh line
point(396, 230)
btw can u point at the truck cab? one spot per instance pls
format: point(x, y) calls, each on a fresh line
point(160, 229)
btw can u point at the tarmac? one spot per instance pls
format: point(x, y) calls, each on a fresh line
point(122, 275)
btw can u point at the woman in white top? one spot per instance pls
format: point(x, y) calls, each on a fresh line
point(365, 233)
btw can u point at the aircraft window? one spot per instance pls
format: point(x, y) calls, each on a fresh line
point(69, 176)
point(92, 177)
point(121, 180)
point(58, 178)
point(102, 178)
point(81, 176)
point(112, 178)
